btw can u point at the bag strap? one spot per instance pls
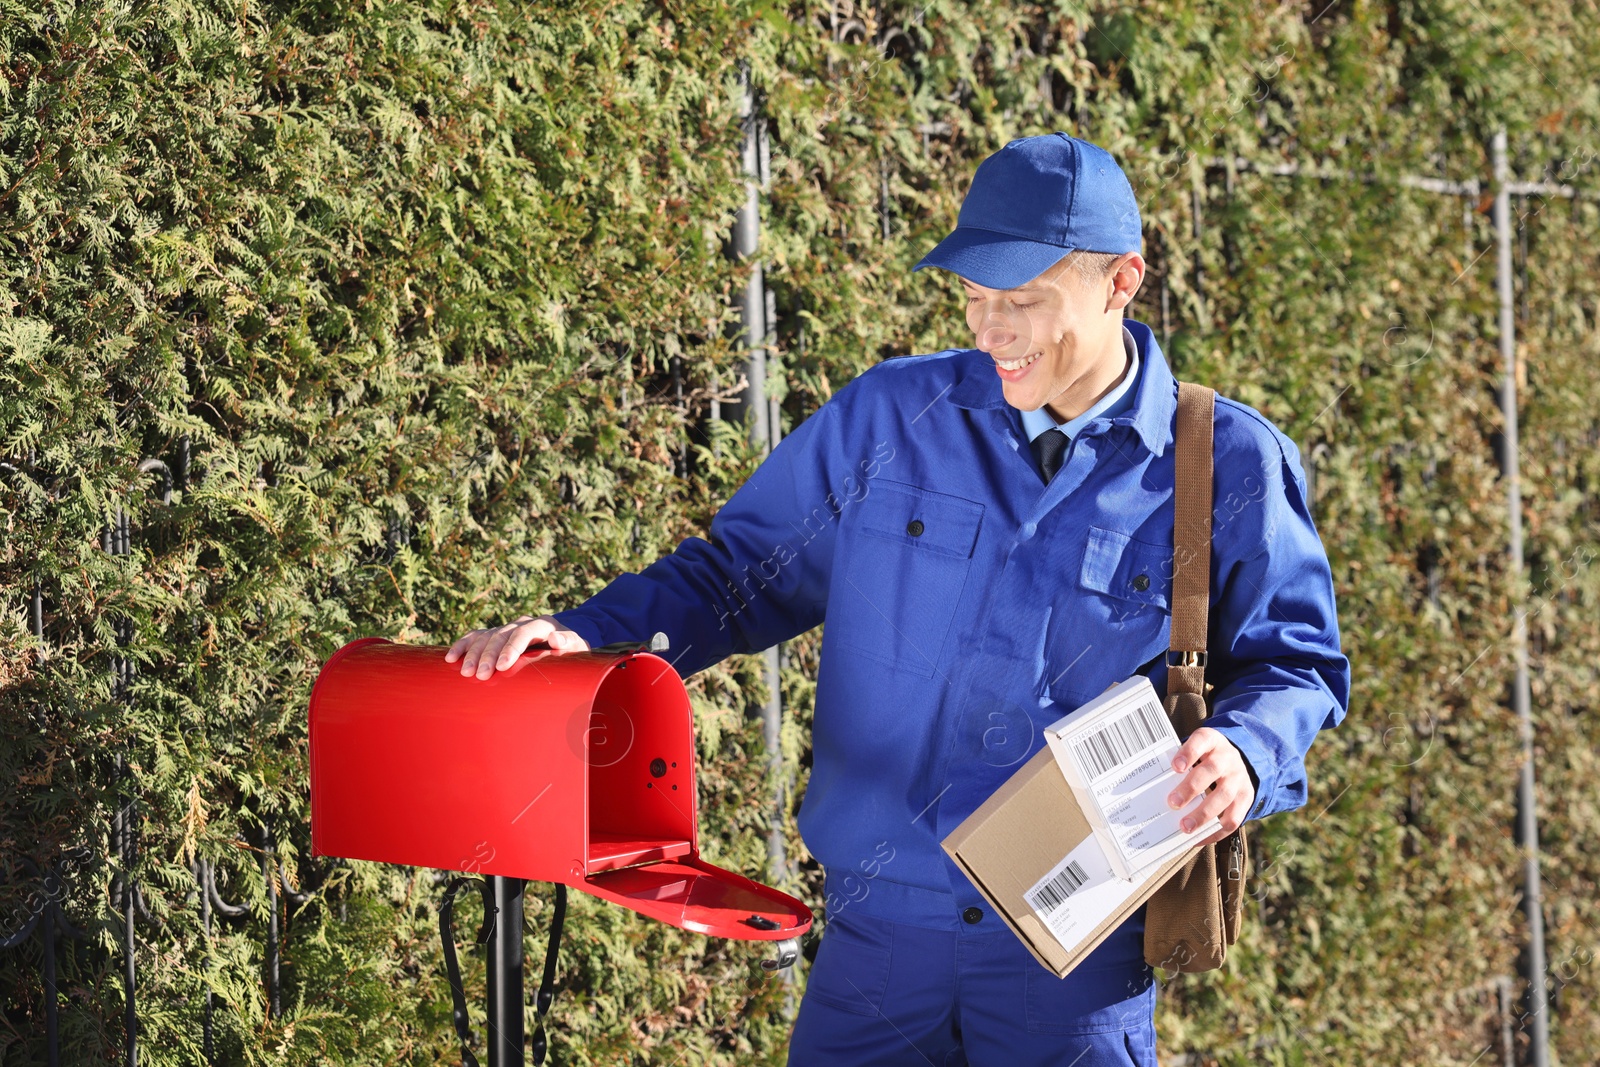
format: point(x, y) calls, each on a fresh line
point(1191, 549)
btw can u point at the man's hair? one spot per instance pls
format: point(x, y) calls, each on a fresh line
point(1090, 267)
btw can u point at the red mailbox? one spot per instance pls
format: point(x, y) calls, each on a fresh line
point(570, 767)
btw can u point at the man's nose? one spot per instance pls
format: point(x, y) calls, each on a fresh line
point(995, 335)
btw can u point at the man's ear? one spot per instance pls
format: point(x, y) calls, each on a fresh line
point(1125, 277)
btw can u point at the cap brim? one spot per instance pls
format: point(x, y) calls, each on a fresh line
point(992, 259)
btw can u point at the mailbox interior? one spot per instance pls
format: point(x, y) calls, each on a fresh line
point(643, 826)
point(640, 763)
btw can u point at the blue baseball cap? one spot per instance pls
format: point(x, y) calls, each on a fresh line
point(1030, 204)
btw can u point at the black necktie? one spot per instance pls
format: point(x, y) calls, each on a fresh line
point(1048, 448)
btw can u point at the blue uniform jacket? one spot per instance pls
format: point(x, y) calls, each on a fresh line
point(967, 605)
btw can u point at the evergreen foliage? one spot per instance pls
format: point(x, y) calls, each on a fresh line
point(437, 296)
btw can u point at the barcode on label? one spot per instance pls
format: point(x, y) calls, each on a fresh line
point(1054, 893)
point(1120, 740)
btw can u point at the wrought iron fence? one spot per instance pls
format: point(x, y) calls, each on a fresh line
point(43, 915)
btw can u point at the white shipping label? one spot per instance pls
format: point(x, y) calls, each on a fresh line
point(1078, 894)
point(1127, 761)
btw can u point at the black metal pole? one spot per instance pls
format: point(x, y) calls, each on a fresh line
point(505, 973)
point(122, 840)
point(269, 872)
point(1527, 818)
point(206, 1039)
point(51, 1026)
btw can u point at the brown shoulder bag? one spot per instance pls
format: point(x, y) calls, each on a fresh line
point(1196, 914)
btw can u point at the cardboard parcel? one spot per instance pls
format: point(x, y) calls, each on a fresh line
point(1031, 851)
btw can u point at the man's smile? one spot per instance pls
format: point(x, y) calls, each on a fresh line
point(1012, 369)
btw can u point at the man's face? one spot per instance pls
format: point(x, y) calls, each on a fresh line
point(1057, 339)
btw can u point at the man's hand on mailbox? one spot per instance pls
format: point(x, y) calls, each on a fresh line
point(483, 652)
point(1212, 764)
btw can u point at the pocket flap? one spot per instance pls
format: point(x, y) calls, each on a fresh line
point(1117, 565)
point(921, 518)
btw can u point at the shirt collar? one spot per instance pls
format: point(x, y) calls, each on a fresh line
point(1155, 392)
point(1114, 403)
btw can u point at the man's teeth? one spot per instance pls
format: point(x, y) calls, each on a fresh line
point(1017, 364)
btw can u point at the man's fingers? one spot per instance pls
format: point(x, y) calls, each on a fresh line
point(1215, 803)
point(1197, 781)
point(490, 656)
point(519, 639)
point(482, 652)
point(1216, 769)
point(469, 657)
point(1202, 741)
point(463, 649)
point(1229, 819)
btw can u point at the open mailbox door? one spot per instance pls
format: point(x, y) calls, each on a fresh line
point(569, 767)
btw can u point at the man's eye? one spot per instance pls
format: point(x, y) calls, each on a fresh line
point(1019, 307)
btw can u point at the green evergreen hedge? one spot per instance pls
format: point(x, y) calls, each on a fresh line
point(437, 295)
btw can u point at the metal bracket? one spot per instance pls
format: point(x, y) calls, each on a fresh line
point(657, 643)
point(785, 952)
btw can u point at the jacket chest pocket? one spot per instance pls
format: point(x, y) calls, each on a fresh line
point(1135, 573)
point(1119, 618)
point(906, 561)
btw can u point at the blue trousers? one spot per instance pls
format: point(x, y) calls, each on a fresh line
point(890, 994)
